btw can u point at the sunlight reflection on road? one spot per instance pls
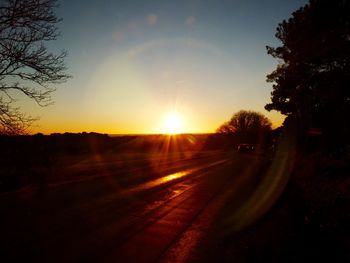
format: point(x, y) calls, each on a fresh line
point(170, 177)
point(161, 180)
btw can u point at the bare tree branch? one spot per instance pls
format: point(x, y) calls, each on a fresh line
point(26, 65)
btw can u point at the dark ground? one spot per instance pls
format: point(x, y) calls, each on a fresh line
point(179, 206)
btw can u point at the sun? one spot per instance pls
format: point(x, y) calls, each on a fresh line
point(172, 123)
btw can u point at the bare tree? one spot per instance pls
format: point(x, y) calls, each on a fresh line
point(26, 65)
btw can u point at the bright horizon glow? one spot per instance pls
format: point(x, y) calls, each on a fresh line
point(172, 124)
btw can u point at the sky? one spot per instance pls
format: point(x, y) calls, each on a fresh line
point(136, 62)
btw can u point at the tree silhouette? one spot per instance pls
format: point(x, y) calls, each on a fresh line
point(311, 85)
point(26, 65)
point(248, 125)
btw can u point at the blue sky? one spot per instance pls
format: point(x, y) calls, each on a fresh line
point(133, 62)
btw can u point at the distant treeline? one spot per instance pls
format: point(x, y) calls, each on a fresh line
point(28, 159)
point(80, 143)
point(59, 143)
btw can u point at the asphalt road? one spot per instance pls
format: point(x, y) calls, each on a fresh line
point(152, 217)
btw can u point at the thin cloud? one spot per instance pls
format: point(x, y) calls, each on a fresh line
point(133, 52)
point(190, 20)
point(152, 19)
point(118, 36)
point(179, 82)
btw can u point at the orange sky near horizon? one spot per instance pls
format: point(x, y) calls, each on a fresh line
point(131, 128)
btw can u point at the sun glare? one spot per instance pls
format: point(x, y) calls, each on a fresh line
point(172, 123)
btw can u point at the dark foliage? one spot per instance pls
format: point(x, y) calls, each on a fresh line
point(311, 84)
point(247, 126)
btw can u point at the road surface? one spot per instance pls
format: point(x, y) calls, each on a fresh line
point(152, 217)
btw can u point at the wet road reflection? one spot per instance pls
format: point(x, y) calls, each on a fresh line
point(124, 225)
point(171, 177)
point(160, 181)
point(167, 219)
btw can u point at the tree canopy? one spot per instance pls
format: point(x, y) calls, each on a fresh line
point(249, 125)
point(311, 82)
point(26, 64)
